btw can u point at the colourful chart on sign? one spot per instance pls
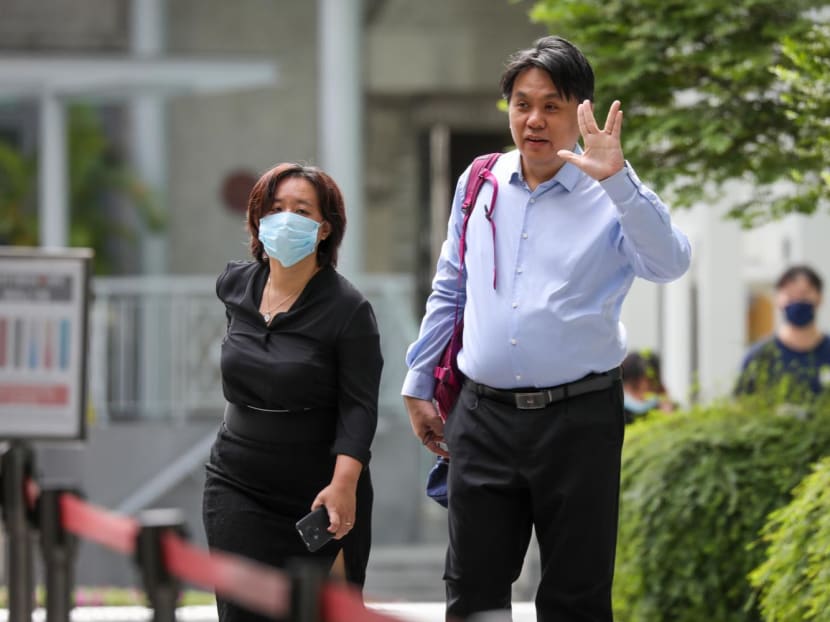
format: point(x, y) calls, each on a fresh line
point(35, 345)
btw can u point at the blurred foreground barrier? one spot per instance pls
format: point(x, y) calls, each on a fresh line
point(157, 542)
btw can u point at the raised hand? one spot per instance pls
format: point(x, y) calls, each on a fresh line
point(602, 154)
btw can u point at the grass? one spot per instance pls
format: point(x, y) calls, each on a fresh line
point(105, 596)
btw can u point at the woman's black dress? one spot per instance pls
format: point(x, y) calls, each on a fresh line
point(300, 391)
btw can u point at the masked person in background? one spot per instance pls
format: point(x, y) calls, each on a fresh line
point(795, 361)
point(301, 368)
point(643, 389)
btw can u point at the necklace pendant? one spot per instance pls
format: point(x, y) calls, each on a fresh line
point(266, 317)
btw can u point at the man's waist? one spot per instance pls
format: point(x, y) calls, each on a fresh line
point(532, 398)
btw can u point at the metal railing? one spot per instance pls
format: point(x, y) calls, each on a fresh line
point(155, 344)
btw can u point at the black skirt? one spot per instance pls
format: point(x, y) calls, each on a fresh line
point(256, 490)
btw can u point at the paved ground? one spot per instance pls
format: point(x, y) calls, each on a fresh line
point(406, 612)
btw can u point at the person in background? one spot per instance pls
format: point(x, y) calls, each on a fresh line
point(301, 367)
point(535, 437)
point(643, 386)
point(795, 361)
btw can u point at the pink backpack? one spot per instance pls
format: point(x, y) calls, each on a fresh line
point(449, 378)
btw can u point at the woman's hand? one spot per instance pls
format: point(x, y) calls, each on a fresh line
point(340, 496)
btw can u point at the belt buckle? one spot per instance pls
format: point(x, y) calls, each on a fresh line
point(531, 401)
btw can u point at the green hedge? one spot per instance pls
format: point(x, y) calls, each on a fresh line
point(696, 490)
point(795, 578)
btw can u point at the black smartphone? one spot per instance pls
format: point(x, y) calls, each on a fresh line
point(314, 528)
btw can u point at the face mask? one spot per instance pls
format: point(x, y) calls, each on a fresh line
point(800, 313)
point(288, 237)
point(640, 407)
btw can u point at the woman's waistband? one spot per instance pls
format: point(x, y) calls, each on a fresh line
point(315, 425)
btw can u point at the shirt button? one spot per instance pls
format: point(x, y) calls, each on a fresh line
point(512, 342)
point(518, 377)
point(515, 304)
point(524, 236)
point(533, 200)
point(518, 270)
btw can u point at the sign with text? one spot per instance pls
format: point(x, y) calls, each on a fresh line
point(44, 298)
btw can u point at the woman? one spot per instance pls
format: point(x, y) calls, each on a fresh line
point(301, 369)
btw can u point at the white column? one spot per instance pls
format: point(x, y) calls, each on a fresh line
point(676, 356)
point(811, 247)
point(53, 173)
point(148, 123)
point(678, 317)
point(722, 303)
point(62, 460)
point(640, 316)
point(340, 126)
point(148, 143)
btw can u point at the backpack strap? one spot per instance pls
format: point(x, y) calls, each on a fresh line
point(480, 171)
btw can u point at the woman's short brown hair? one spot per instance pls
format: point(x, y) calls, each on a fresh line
point(328, 196)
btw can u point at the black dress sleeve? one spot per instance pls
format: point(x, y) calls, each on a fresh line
point(359, 365)
point(219, 289)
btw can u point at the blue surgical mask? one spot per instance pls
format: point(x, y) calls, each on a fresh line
point(800, 313)
point(288, 237)
point(639, 407)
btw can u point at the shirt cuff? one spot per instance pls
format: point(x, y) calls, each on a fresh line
point(418, 385)
point(622, 186)
point(348, 447)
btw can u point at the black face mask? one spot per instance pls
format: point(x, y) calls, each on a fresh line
point(800, 313)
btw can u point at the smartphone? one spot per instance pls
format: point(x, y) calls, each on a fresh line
point(314, 529)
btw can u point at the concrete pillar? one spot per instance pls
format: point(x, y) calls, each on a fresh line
point(147, 114)
point(722, 301)
point(53, 173)
point(677, 347)
point(640, 316)
point(148, 143)
point(340, 110)
point(810, 246)
point(678, 351)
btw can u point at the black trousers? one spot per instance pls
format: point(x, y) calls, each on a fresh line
point(556, 469)
point(254, 494)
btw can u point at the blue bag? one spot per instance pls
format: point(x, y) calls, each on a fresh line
point(437, 481)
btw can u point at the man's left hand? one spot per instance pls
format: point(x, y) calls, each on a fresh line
point(602, 154)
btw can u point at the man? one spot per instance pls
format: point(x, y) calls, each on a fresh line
point(795, 361)
point(536, 434)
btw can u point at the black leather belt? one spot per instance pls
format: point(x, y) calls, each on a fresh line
point(542, 398)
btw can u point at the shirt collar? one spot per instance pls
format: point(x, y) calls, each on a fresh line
point(567, 176)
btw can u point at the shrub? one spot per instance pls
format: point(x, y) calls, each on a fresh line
point(696, 490)
point(794, 581)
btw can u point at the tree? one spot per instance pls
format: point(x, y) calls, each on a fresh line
point(703, 104)
point(97, 176)
point(806, 96)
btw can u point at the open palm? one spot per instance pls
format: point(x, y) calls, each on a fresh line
point(602, 154)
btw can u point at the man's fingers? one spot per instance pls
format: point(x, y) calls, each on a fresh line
point(585, 116)
point(437, 446)
point(618, 121)
point(611, 120)
point(568, 156)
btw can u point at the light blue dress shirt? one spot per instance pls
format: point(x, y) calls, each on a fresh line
point(565, 257)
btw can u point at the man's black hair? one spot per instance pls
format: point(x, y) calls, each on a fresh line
point(567, 67)
point(794, 272)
